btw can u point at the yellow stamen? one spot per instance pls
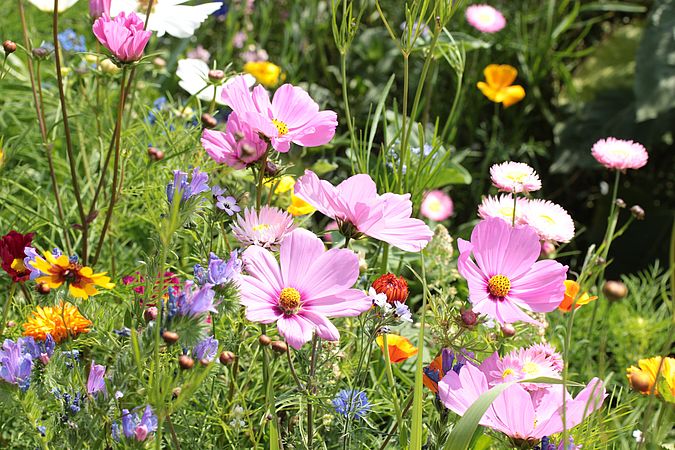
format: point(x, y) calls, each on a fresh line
point(261, 227)
point(499, 285)
point(507, 372)
point(289, 300)
point(282, 128)
point(19, 266)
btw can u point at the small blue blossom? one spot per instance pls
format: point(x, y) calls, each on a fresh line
point(227, 204)
point(200, 274)
point(402, 312)
point(71, 41)
point(350, 402)
point(197, 184)
point(206, 349)
point(221, 271)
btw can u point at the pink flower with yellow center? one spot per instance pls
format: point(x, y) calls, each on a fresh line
point(303, 290)
point(500, 265)
point(514, 177)
point(619, 154)
point(551, 221)
point(502, 207)
point(437, 205)
point(238, 147)
point(485, 18)
point(267, 228)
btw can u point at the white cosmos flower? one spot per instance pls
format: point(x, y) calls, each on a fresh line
point(48, 5)
point(168, 16)
point(194, 78)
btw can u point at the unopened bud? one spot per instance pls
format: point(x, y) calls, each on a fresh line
point(264, 339)
point(271, 169)
point(185, 362)
point(43, 288)
point(637, 212)
point(547, 248)
point(216, 75)
point(226, 358)
point(640, 381)
point(109, 67)
point(204, 362)
point(208, 121)
point(469, 318)
point(279, 346)
point(40, 52)
point(155, 154)
point(9, 46)
point(614, 290)
point(11, 324)
point(158, 62)
point(175, 392)
point(508, 330)
point(620, 203)
point(170, 337)
point(150, 314)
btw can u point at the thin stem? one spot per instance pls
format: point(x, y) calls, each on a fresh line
point(392, 382)
point(293, 372)
point(174, 438)
point(5, 309)
point(311, 390)
point(345, 100)
point(515, 202)
point(261, 181)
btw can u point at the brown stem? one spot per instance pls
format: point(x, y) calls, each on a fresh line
point(174, 438)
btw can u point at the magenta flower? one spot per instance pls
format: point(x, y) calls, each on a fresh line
point(95, 381)
point(123, 36)
point(485, 18)
point(99, 7)
point(238, 147)
point(359, 209)
point(504, 274)
point(304, 289)
point(619, 154)
point(291, 117)
point(520, 414)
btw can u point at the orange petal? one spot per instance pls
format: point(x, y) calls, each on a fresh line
point(511, 95)
point(500, 75)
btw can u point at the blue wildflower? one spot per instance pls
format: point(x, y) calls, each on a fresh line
point(123, 332)
point(157, 107)
point(39, 350)
point(206, 349)
point(194, 302)
point(350, 402)
point(16, 364)
point(200, 274)
point(197, 184)
point(42, 430)
point(221, 271)
point(133, 426)
point(71, 41)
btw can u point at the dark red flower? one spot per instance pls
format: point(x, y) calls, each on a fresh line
point(395, 288)
point(12, 255)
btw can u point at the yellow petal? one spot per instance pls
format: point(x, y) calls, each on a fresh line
point(511, 95)
point(487, 91)
point(77, 292)
point(500, 75)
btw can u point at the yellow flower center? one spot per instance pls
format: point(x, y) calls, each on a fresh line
point(516, 176)
point(548, 219)
point(435, 206)
point(19, 266)
point(530, 368)
point(289, 300)
point(507, 372)
point(261, 227)
point(499, 286)
point(282, 128)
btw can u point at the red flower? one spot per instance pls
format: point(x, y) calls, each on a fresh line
point(12, 255)
point(395, 288)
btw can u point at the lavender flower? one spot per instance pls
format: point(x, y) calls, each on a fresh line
point(15, 364)
point(200, 274)
point(71, 41)
point(206, 349)
point(39, 350)
point(227, 204)
point(402, 312)
point(194, 302)
point(221, 271)
point(95, 382)
point(134, 427)
point(197, 184)
point(350, 402)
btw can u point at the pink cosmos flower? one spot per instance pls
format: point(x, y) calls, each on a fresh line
point(359, 209)
point(268, 228)
point(485, 18)
point(291, 117)
point(238, 147)
point(520, 414)
point(304, 289)
point(99, 7)
point(123, 36)
point(504, 274)
point(520, 364)
point(502, 207)
point(515, 177)
point(619, 154)
point(437, 205)
point(550, 220)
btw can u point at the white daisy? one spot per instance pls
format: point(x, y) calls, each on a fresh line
point(48, 5)
point(502, 207)
point(194, 78)
point(549, 219)
point(168, 16)
point(515, 177)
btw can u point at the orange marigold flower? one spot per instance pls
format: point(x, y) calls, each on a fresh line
point(571, 292)
point(400, 348)
point(81, 279)
point(498, 85)
point(59, 321)
point(642, 379)
point(395, 288)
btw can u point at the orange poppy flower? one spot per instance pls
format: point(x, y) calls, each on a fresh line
point(571, 291)
point(400, 348)
point(498, 85)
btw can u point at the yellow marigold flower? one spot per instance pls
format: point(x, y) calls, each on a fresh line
point(400, 348)
point(299, 207)
point(266, 73)
point(642, 379)
point(571, 291)
point(81, 279)
point(498, 86)
point(60, 321)
point(283, 184)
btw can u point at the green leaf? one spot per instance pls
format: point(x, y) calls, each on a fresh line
point(451, 173)
point(614, 7)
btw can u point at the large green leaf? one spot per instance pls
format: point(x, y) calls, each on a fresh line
point(450, 173)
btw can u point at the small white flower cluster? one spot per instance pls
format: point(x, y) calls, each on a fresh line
point(237, 416)
point(398, 309)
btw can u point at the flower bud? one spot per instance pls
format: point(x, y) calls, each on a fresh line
point(155, 154)
point(109, 67)
point(185, 362)
point(175, 392)
point(11, 324)
point(159, 63)
point(170, 337)
point(547, 249)
point(43, 288)
point(469, 318)
point(204, 362)
point(637, 212)
point(271, 169)
point(395, 288)
point(208, 121)
point(9, 46)
point(264, 339)
point(614, 290)
point(216, 75)
point(40, 52)
point(640, 381)
point(226, 358)
point(150, 313)
point(620, 203)
point(279, 346)
point(508, 330)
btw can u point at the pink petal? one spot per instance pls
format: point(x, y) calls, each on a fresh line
point(358, 188)
point(298, 254)
point(261, 264)
point(515, 411)
point(542, 288)
point(332, 273)
point(351, 302)
point(322, 127)
point(324, 328)
point(237, 96)
point(411, 235)
point(293, 106)
point(320, 194)
point(295, 329)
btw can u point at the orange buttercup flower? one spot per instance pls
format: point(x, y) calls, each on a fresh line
point(59, 321)
point(81, 280)
point(571, 291)
point(498, 85)
point(395, 288)
point(400, 348)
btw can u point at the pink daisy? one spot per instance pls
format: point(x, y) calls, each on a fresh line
point(291, 116)
point(502, 207)
point(619, 154)
point(437, 205)
point(304, 289)
point(504, 274)
point(238, 147)
point(515, 177)
point(359, 209)
point(550, 220)
point(268, 228)
point(485, 18)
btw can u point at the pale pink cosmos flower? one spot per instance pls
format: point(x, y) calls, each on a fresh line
point(504, 274)
point(485, 18)
point(123, 36)
point(549, 353)
point(514, 177)
point(518, 413)
point(99, 7)
point(619, 154)
point(437, 205)
point(238, 147)
point(301, 292)
point(291, 117)
point(550, 220)
point(502, 207)
point(359, 209)
point(521, 364)
point(268, 228)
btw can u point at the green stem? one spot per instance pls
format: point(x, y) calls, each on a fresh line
point(392, 383)
point(348, 114)
point(261, 181)
point(5, 309)
point(311, 390)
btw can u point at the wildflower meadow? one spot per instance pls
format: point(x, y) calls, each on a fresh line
point(337, 224)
